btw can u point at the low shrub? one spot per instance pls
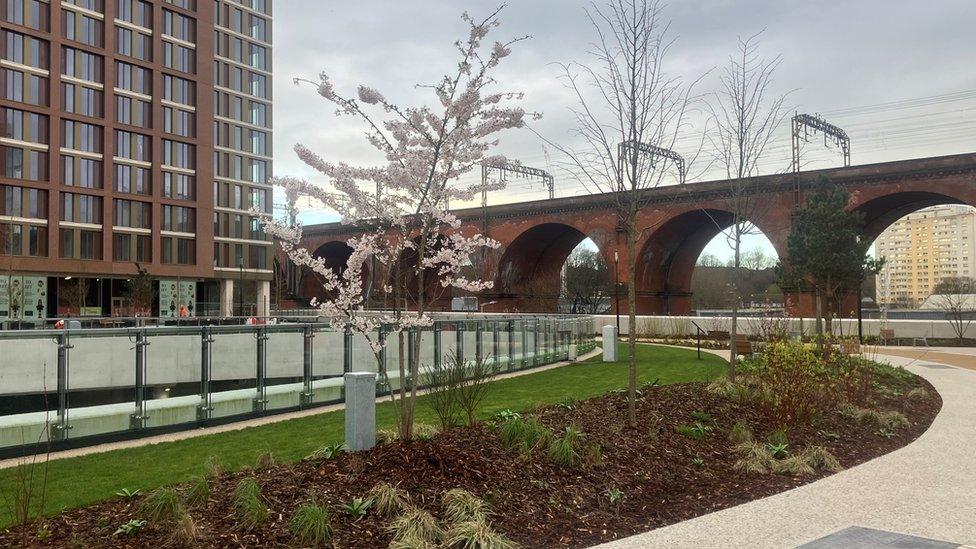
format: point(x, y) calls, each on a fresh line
point(311, 524)
point(593, 455)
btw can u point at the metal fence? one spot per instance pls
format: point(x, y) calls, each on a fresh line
point(76, 387)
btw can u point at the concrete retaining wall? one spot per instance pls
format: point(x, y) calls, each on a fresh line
point(682, 325)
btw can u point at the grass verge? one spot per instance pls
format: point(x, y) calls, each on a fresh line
point(75, 482)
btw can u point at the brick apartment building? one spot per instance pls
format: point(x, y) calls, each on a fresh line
point(134, 132)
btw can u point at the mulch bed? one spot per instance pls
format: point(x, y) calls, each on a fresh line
point(535, 502)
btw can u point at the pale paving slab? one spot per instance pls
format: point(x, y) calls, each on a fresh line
point(926, 489)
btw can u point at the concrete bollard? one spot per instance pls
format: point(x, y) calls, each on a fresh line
point(360, 410)
point(609, 343)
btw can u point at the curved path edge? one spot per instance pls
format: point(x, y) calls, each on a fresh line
point(926, 489)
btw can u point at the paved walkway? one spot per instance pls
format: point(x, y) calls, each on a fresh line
point(244, 424)
point(925, 489)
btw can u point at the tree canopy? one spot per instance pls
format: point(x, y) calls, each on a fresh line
point(827, 247)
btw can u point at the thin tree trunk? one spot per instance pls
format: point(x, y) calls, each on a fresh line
point(819, 313)
point(736, 273)
point(631, 326)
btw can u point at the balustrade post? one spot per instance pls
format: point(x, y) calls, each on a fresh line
point(205, 407)
point(494, 342)
point(510, 326)
point(59, 431)
point(138, 419)
point(260, 403)
point(308, 337)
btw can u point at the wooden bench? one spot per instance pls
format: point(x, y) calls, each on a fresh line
point(743, 347)
point(886, 335)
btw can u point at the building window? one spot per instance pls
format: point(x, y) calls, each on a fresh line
point(82, 65)
point(80, 99)
point(178, 122)
point(133, 43)
point(178, 155)
point(81, 172)
point(136, 12)
point(28, 13)
point(23, 126)
point(80, 136)
point(178, 186)
point(23, 202)
point(179, 26)
point(23, 163)
point(133, 214)
point(132, 179)
point(24, 50)
point(24, 87)
point(179, 90)
point(133, 78)
point(81, 208)
point(133, 146)
point(133, 112)
point(179, 57)
point(178, 219)
point(82, 28)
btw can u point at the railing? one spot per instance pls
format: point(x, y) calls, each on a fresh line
point(76, 387)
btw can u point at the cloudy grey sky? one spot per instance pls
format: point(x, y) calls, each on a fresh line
point(898, 75)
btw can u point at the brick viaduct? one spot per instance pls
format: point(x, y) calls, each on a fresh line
point(538, 236)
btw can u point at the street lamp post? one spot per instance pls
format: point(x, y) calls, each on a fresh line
point(616, 287)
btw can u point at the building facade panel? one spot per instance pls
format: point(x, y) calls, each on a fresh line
point(111, 150)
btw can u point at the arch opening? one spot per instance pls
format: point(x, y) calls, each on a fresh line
point(683, 267)
point(928, 241)
point(552, 267)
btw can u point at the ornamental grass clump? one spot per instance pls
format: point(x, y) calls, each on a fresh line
point(249, 508)
point(197, 492)
point(477, 534)
point(311, 524)
point(162, 506)
point(740, 433)
point(389, 500)
point(755, 458)
point(416, 524)
point(525, 434)
point(184, 532)
point(461, 506)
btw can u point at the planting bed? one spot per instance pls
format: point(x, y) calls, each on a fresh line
point(658, 475)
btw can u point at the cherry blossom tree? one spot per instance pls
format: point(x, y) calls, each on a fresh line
point(401, 206)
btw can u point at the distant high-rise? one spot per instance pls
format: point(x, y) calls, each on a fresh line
point(923, 248)
point(110, 114)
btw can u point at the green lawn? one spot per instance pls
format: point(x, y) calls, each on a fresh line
point(79, 481)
